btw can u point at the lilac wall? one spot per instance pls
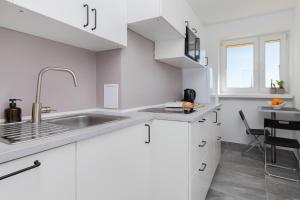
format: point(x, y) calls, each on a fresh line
point(143, 81)
point(146, 81)
point(108, 72)
point(21, 58)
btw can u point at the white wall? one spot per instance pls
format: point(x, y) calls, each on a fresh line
point(296, 72)
point(232, 128)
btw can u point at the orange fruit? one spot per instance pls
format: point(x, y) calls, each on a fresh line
point(276, 102)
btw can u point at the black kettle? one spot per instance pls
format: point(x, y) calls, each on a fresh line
point(189, 95)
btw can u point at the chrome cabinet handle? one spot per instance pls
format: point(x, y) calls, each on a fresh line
point(149, 134)
point(95, 13)
point(203, 168)
point(87, 15)
point(35, 165)
point(203, 144)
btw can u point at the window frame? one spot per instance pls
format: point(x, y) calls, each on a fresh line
point(259, 62)
point(283, 68)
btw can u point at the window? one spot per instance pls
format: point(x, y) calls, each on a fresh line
point(272, 62)
point(240, 66)
point(250, 64)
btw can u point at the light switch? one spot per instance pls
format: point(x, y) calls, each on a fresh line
point(111, 96)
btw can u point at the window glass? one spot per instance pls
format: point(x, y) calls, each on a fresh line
point(272, 62)
point(240, 66)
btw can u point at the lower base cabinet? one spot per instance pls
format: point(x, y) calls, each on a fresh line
point(114, 166)
point(53, 179)
point(159, 160)
point(183, 158)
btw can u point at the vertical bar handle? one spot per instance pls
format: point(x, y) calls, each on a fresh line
point(206, 58)
point(95, 13)
point(216, 112)
point(87, 15)
point(149, 134)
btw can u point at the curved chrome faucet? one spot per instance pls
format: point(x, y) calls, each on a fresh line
point(37, 108)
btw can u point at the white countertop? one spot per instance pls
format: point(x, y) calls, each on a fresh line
point(15, 151)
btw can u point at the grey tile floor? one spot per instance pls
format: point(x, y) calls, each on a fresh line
point(242, 178)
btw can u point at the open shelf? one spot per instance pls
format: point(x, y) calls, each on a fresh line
point(182, 62)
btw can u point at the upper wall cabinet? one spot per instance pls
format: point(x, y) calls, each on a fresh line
point(91, 24)
point(158, 19)
point(164, 22)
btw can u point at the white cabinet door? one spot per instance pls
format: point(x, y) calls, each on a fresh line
point(68, 11)
point(200, 142)
point(92, 24)
point(219, 137)
point(111, 18)
point(201, 160)
point(113, 166)
point(169, 160)
point(216, 138)
point(53, 179)
point(201, 179)
point(176, 11)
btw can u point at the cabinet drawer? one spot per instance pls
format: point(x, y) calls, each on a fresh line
point(54, 178)
point(201, 179)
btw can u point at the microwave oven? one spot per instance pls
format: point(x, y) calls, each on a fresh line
point(192, 45)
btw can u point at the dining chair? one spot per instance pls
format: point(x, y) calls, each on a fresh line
point(256, 135)
point(282, 142)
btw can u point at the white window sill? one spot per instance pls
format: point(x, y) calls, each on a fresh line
point(253, 96)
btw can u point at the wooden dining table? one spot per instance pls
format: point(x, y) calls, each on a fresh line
point(273, 112)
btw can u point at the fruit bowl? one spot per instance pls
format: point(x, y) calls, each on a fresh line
point(277, 104)
point(278, 107)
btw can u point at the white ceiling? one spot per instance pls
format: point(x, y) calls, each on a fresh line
point(217, 11)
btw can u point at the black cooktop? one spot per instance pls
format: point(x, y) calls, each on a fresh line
point(168, 110)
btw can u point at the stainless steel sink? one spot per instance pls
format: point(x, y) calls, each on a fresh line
point(27, 131)
point(86, 120)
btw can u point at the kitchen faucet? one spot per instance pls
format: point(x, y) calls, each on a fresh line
point(37, 108)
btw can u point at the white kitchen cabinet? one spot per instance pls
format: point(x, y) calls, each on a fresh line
point(183, 158)
point(53, 179)
point(68, 11)
point(169, 161)
point(172, 52)
point(158, 19)
point(70, 21)
point(111, 19)
point(164, 22)
point(114, 166)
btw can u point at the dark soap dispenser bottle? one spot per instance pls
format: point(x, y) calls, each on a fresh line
point(13, 113)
